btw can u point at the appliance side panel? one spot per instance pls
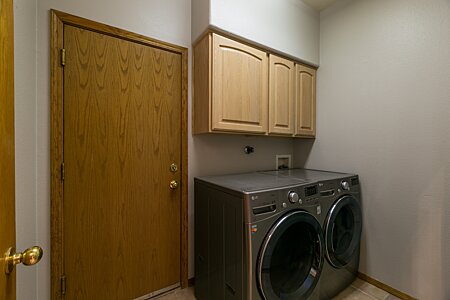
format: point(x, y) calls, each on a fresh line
point(219, 245)
point(234, 237)
point(201, 243)
point(216, 245)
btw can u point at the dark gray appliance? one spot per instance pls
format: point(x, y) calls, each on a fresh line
point(341, 203)
point(259, 235)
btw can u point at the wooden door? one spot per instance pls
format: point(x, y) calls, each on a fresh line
point(281, 95)
point(121, 228)
point(7, 189)
point(305, 86)
point(239, 87)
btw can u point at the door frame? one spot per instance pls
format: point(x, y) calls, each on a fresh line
point(57, 20)
point(7, 147)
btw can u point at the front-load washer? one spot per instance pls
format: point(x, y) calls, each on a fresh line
point(340, 201)
point(257, 236)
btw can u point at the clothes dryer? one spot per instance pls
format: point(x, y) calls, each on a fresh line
point(340, 202)
point(257, 236)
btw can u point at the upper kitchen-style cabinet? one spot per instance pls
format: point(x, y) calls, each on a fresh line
point(281, 95)
point(230, 87)
point(243, 89)
point(305, 89)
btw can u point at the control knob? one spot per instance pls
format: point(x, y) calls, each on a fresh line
point(345, 186)
point(293, 197)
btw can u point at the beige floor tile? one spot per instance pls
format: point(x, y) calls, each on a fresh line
point(359, 290)
point(184, 294)
point(367, 288)
point(352, 293)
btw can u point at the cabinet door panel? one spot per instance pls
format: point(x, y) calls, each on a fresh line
point(305, 101)
point(239, 87)
point(281, 95)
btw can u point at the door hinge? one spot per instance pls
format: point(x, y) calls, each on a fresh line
point(63, 285)
point(63, 57)
point(63, 171)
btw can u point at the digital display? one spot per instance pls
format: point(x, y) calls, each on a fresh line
point(310, 190)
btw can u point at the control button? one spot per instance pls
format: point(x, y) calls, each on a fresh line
point(284, 205)
point(293, 197)
point(339, 190)
point(319, 209)
point(345, 186)
point(300, 201)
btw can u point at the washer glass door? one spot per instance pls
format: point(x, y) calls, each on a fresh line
point(291, 257)
point(343, 231)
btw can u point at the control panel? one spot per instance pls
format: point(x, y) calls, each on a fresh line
point(265, 204)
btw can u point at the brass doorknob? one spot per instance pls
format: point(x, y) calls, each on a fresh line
point(29, 257)
point(173, 184)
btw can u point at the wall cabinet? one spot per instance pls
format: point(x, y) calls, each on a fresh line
point(242, 89)
point(305, 81)
point(281, 95)
point(230, 86)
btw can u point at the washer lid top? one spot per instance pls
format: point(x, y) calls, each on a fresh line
point(267, 180)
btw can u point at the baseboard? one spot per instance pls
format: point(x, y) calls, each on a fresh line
point(385, 287)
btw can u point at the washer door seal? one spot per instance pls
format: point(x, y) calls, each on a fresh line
point(291, 257)
point(343, 231)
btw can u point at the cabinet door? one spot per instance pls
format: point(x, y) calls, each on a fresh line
point(239, 87)
point(305, 89)
point(281, 95)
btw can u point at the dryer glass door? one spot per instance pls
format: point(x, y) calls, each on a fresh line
point(291, 257)
point(343, 231)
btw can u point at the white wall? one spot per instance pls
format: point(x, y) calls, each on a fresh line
point(25, 132)
point(200, 11)
point(289, 26)
point(383, 107)
point(168, 20)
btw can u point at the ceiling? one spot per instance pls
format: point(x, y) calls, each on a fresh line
point(319, 4)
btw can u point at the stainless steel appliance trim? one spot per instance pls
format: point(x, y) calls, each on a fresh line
point(267, 240)
point(264, 247)
point(249, 261)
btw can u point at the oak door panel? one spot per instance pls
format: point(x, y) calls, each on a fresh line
point(122, 131)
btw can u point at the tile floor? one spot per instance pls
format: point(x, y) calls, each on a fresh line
point(358, 290)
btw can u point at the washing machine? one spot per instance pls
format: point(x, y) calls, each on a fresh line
point(258, 236)
point(340, 201)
